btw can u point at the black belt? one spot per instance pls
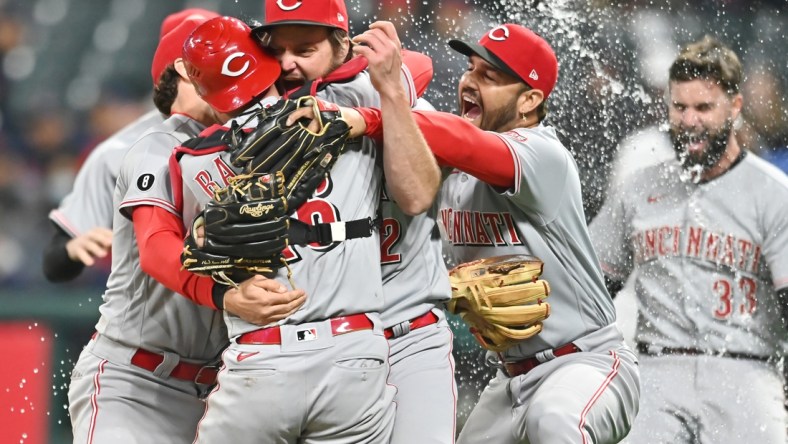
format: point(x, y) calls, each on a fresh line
point(649, 350)
point(324, 234)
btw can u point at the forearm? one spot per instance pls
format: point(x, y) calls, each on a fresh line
point(57, 265)
point(160, 240)
point(455, 142)
point(412, 174)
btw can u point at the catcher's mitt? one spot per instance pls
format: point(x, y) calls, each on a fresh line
point(501, 298)
point(244, 230)
point(246, 226)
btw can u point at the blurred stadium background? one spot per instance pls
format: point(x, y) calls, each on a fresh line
point(73, 72)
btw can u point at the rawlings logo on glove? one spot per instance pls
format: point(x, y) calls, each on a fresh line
point(246, 225)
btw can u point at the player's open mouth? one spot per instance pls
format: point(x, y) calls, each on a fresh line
point(696, 143)
point(470, 109)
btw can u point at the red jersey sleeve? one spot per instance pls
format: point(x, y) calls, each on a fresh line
point(456, 143)
point(160, 240)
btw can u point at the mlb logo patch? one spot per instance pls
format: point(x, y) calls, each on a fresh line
point(309, 334)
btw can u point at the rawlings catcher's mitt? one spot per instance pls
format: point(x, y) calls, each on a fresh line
point(304, 157)
point(501, 298)
point(244, 230)
point(247, 225)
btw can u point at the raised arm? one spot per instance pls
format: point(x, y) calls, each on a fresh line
point(454, 141)
point(412, 174)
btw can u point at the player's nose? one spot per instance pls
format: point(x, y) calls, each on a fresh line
point(288, 62)
point(690, 118)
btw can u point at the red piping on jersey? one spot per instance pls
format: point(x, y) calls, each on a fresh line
point(453, 382)
point(148, 201)
point(176, 182)
point(214, 390)
point(60, 217)
point(456, 143)
point(160, 241)
point(94, 400)
point(598, 393)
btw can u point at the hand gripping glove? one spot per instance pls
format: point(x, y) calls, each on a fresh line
point(272, 146)
point(245, 230)
point(501, 298)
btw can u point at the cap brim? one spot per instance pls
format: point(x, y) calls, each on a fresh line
point(469, 49)
point(263, 28)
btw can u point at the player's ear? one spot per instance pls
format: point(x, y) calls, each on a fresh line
point(180, 68)
point(529, 100)
point(736, 105)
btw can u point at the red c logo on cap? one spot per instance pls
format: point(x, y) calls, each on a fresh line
point(284, 7)
point(505, 35)
point(226, 65)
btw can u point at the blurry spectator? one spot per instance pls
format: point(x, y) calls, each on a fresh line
point(107, 117)
point(50, 153)
point(767, 113)
point(11, 31)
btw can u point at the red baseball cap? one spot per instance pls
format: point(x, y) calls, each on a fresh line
point(331, 13)
point(171, 43)
point(227, 66)
point(173, 20)
point(518, 51)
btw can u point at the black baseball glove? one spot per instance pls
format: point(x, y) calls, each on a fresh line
point(246, 225)
point(243, 230)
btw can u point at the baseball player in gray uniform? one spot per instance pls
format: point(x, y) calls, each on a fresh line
point(415, 286)
point(140, 378)
point(330, 358)
point(83, 220)
point(706, 236)
point(516, 189)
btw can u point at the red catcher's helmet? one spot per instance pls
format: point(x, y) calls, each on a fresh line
point(228, 68)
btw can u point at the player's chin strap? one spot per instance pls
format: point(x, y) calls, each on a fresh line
point(324, 234)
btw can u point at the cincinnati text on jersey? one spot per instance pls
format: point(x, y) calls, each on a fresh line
point(699, 243)
point(479, 227)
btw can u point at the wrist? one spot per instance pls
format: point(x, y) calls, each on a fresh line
point(218, 294)
point(373, 122)
point(395, 94)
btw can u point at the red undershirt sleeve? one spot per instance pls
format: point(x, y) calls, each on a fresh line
point(456, 143)
point(160, 240)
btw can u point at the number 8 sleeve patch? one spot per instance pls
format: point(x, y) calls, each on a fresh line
point(145, 182)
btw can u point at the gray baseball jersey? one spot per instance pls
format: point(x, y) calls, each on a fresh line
point(708, 259)
point(108, 392)
point(352, 191)
point(89, 204)
point(415, 281)
point(542, 215)
point(339, 379)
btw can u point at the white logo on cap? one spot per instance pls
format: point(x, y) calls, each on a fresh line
point(340, 18)
point(284, 7)
point(226, 65)
point(505, 35)
point(533, 75)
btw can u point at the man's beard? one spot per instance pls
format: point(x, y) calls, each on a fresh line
point(299, 81)
point(500, 119)
point(710, 155)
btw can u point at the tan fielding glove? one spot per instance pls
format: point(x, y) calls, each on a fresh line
point(501, 298)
